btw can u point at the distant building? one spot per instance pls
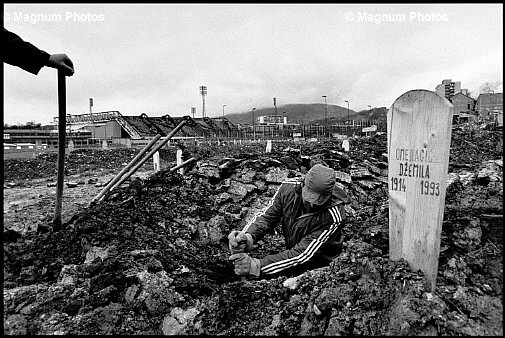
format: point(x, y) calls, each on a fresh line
point(46, 137)
point(489, 104)
point(113, 126)
point(462, 103)
point(273, 119)
point(448, 88)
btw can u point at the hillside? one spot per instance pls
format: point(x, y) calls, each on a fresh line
point(295, 113)
point(363, 115)
point(372, 114)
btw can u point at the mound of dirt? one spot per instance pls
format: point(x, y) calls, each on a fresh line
point(152, 256)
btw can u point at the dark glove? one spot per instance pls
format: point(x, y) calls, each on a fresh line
point(245, 265)
point(240, 242)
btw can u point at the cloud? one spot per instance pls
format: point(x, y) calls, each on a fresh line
point(153, 58)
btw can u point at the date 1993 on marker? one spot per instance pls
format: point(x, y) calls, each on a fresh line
point(430, 188)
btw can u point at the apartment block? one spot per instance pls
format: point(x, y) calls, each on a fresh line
point(448, 88)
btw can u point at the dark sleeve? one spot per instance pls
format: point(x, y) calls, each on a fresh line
point(22, 54)
point(309, 246)
point(268, 218)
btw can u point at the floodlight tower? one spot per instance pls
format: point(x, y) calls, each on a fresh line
point(203, 92)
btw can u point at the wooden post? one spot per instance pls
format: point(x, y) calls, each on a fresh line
point(268, 148)
point(178, 158)
point(150, 153)
point(156, 161)
point(419, 137)
point(71, 146)
point(346, 145)
point(178, 167)
point(125, 169)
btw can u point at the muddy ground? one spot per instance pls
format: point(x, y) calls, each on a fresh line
point(152, 256)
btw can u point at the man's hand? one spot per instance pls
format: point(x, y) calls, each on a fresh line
point(240, 242)
point(63, 62)
point(245, 265)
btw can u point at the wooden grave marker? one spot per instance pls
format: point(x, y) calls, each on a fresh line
point(178, 158)
point(346, 145)
point(419, 136)
point(156, 161)
point(268, 148)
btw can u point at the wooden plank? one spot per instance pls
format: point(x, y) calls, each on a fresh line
point(419, 136)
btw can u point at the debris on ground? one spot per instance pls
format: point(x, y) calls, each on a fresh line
point(152, 256)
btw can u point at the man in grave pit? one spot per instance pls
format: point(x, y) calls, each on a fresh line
point(311, 213)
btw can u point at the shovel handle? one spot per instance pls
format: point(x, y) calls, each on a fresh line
point(62, 114)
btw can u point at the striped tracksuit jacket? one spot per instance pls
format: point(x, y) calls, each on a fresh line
point(312, 239)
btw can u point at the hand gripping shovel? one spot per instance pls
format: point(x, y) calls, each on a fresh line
point(242, 278)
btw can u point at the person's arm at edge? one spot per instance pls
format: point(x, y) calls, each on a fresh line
point(22, 54)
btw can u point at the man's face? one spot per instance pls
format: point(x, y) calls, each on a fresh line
point(311, 207)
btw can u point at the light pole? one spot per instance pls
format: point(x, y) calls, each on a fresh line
point(223, 117)
point(254, 127)
point(203, 92)
point(369, 108)
point(347, 112)
point(325, 115)
point(303, 126)
point(283, 125)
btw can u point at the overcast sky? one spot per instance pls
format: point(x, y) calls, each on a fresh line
point(139, 58)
